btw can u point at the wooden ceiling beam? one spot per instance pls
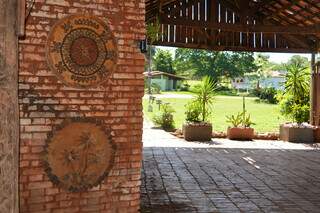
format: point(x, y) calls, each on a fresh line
point(231, 48)
point(243, 27)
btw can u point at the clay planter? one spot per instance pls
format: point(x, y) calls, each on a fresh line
point(296, 134)
point(240, 133)
point(197, 131)
point(316, 135)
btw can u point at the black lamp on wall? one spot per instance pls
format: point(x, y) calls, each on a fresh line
point(143, 46)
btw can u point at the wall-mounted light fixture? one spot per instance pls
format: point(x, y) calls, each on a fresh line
point(143, 46)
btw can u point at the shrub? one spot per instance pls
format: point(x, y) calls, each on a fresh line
point(224, 90)
point(164, 118)
point(194, 88)
point(255, 92)
point(184, 87)
point(266, 94)
point(155, 88)
point(193, 112)
point(301, 113)
point(269, 94)
point(286, 102)
point(298, 112)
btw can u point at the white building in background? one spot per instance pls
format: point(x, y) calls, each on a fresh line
point(274, 79)
point(166, 81)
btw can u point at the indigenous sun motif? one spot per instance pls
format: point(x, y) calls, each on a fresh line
point(79, 154)
point(82, 51)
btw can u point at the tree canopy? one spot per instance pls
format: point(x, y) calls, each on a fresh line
point(300, 60)
point(163, 61)
point(199, 63)
point(196, 64)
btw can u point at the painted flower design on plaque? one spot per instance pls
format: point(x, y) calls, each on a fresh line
point(82, 51)
point(79, 154)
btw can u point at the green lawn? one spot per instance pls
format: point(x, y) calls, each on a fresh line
point(266, 116)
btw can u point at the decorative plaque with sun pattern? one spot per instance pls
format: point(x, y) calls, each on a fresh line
point(82, 51)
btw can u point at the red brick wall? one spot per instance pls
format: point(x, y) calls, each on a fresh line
point(45, 102)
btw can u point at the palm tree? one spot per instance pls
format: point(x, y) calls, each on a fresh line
point(297, 81)
point(205, 96)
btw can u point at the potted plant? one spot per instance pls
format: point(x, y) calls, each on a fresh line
point(197, 126)
point(241, 126)
point(294, 104)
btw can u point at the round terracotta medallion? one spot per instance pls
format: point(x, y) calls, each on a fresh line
point(79, 154)
point(82, 51)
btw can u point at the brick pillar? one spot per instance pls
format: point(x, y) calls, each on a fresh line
point(9, 109)
point(45, 102)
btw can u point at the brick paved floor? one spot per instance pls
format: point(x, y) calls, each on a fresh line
point(211, 179)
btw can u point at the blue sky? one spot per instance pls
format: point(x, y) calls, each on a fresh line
point(274, 57)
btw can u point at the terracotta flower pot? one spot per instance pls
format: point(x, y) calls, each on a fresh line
point(296, 134)
point(239, 133)
point(197, 131)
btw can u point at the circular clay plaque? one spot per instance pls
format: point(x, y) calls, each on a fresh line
point(82, 51)
point(79, 154)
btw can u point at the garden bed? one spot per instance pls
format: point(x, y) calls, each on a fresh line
point(257, 136)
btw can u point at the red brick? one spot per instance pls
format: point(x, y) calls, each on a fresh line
point(52, 191)
point(40, 185)
point(45, 102)
point(33, 178)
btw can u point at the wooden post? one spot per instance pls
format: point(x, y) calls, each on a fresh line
point(312, 90)
point(21, 17)
point(315, 92)
point(9, 108)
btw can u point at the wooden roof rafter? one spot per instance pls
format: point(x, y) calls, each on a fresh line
point(276, 16)
point(244, 25)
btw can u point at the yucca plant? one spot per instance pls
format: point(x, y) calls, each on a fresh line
point(297, 87)
point(198, 112)
point(205, 96)
point(297, 82)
